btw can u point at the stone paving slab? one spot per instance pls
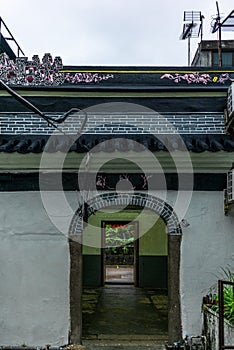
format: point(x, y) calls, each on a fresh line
point(124, 317)
point(122, 310)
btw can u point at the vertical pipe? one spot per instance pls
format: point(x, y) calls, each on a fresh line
point(221, 321)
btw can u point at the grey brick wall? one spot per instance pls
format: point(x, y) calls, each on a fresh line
point(131, 123)
point(142, 200)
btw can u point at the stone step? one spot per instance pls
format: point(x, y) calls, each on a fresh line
point(127, 337)
point(124, 345)
point(132, 342)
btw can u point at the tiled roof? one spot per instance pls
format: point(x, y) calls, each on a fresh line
point(38, 143)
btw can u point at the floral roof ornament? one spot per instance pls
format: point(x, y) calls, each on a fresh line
point(198, 78)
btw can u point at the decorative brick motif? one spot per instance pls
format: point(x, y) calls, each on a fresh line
point(103, 123)
point(25, 72)
point(105, 200)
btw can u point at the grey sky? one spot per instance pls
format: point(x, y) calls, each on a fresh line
point(108, 32)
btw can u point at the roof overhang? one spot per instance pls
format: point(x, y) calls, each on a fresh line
point(119, 162)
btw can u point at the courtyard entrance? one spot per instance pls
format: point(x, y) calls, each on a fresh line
point(117, 308)
point(130, 300)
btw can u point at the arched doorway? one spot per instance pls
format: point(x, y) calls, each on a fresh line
point(166, 213)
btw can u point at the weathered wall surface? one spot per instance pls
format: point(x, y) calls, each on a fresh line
point(34, 265)
point(207, 246)
point(34, 274)
point(211, 330)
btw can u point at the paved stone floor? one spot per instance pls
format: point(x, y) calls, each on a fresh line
point(123, 317)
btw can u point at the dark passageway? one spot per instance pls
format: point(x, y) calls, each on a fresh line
point(124, 312)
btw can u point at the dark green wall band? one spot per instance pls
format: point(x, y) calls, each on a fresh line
point(152, 271)
point(30, 181)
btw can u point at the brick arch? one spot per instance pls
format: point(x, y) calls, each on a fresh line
point(161, 208)
point(142, 200)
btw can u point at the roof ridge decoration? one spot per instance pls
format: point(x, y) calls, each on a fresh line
point(51, 72)
point(47, 72)
point(198, 78)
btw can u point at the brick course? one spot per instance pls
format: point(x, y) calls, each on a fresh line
point(101, 123)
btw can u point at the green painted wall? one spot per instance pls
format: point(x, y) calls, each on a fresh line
point(154, 241)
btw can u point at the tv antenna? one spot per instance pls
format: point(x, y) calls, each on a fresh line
point(192, 28)
point(5, 38)
point(227, 24)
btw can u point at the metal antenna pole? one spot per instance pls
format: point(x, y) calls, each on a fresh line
point(191, 28)
point(189, 50)
point(202, 17)
point(219, 36)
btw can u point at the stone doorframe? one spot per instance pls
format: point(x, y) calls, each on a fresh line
point(142, 200)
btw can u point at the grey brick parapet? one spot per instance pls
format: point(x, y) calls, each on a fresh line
point(117, 123)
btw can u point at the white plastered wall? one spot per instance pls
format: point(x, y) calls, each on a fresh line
point(34, 274)
point(207, 247)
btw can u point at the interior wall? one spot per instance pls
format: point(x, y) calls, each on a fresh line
point(153, 266)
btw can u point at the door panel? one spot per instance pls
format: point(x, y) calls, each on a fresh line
point(120, 250)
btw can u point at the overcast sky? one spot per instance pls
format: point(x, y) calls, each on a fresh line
point(109, 32)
